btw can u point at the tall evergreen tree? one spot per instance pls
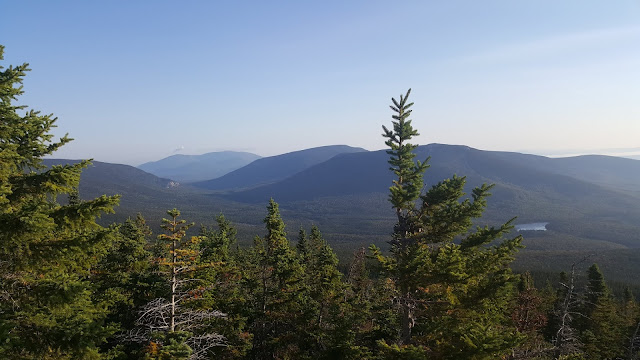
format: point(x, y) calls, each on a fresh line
point(597, 289)
point(274, 282)
point(319, 328)
point(224, 272)
point(605, 334)
point(452, 287)
point(126, 280)
point(404, 192)
point(47, 250)
point(529, 315)
point(303, 246)
point(176, 324)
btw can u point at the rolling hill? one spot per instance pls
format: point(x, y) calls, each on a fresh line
point(106, 178)
point(152, 196)
point(274, 168)
point(191, 168)
point(607, 216)
point(613, 172)
point(590, 202)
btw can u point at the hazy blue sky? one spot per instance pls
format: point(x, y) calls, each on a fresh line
point(134, 81)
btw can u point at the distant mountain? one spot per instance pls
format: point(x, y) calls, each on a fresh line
point(368, 172)
point(106, 178)
point(610, 171)
point(191, 168)
point(534, 188)
point(275, 168)
point(152, 196)
point(589, 202)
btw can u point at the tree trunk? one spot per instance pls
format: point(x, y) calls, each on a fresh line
point(407, 322)
point(174, 283)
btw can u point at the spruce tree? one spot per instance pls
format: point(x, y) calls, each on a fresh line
point(126, 279)
point(529, 315)
point(404, 192)
point(452, 285)
point(224, 271)
point(319, 328)
point(597, 288)
point(606, 330)
point(176, 323)
point(47, 250)
point(274, 281)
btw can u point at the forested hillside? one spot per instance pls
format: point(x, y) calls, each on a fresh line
point(275, 168)
point(442, 288)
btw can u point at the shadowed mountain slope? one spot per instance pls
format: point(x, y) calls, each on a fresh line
point(152, 196)
point(274, 168)
point(190, 168)
point(614, 172)
point(368, 172)
point(589, 208)
point(106, 178)
point(572, 206)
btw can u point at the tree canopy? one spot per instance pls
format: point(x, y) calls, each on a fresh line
point(71, 288)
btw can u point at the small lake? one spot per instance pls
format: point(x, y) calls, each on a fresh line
point(541, 226)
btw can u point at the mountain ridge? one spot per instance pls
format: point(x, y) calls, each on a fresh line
point(192, 168)
point(572, 205)
point(274, 168)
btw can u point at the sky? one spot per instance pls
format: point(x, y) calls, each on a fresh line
point(136, 81)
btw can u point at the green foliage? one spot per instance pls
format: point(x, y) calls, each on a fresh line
point(274, 283)
point(529, 314)
point(224, 270)
point(323, 293)
point(173, 346)
point(182, 310)
point(126, 279)
point(72, 289)
point(605, 329)
point(216, 244)
point(403, 352)
point(47, 251)
point(597, 288)
point(452, 296)
point(407, 187)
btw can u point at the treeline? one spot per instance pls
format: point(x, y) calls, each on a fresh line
point(72, 289)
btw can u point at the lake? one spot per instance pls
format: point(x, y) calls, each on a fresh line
point(541, 226)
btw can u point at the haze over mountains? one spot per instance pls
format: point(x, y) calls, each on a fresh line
point(270, 169)
point(592, 203)
point(190, 168)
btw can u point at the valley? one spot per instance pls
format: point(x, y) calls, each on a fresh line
point(591, 204)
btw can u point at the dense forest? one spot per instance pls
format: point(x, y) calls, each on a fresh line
point(443, 289)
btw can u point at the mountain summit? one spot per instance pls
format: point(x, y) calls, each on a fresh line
point(191, 168)
point(275, 168)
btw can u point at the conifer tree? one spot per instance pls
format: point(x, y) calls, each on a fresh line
point(274, 282)
point(606, 331)
point(368, 318)
point(126, 279)
point(564, 335)
point(597, 289)
point(631, 314)
point(303, 246)
point(452, 287)
point(165, 322)
point(216, 244)
point(324, 292)
point(529, 315)
point(224, 271)
point(47, 250)
point(404, 192)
